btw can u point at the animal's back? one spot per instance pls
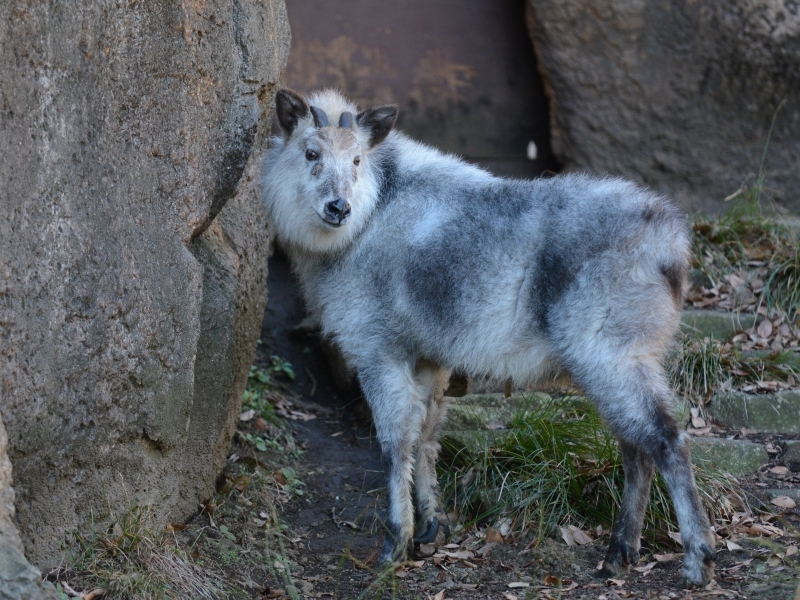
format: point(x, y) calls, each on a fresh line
point(460, 266)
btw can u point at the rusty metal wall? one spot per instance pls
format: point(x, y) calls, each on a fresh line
point(462, 71)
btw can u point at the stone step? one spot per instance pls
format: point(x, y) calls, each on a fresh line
point(477, 421)
point(735, 457)
point(772, 413)
point(715, 324)
point(475, 411)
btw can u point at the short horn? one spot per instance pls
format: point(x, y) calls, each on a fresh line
point(320, 118)
point(346, 120)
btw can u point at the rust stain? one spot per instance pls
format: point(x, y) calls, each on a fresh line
point(439, 81)
point(359, 71)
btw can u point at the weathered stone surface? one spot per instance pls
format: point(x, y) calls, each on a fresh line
point(476, 411)
point(791, 456)
point(18, 578)
point(736, 457)
point(714, 324)
point(776, 413)
point(679, 95)
point(133, 248)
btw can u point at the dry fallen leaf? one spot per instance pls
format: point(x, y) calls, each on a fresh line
point(617, 582)
point(703, 431)
point(493, 536)
point(764, 329)
point(780, 470)
point(567, 536)
point(581, 537)
point(784, 502)
point(646, 568)
point(791, 551)
point(509, 596)
point(675, 536)
point(460, 555)
point(439, 596)
point(518, 585)
point(247, 415)
point(665, 557)
point(774, 560)
point(732, 545)
point(735, 280)
point(767, 530)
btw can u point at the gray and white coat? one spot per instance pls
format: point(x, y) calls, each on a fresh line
point(419, 264)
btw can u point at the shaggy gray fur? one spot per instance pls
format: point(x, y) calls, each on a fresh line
point(440, 266)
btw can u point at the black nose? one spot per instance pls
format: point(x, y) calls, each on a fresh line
point(339, 208)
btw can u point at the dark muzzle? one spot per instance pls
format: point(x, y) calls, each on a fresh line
point(338, 209)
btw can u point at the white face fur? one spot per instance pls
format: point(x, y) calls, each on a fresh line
point(318, 185)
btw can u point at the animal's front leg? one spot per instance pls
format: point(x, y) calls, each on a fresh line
point(398, 411)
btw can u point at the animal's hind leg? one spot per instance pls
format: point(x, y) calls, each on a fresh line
point(434, 380)
point(623, 549)
point(398, 411)
point(635, 400)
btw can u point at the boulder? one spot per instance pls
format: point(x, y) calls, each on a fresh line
point(678, 95)
point(18, 578)
point(133, 249)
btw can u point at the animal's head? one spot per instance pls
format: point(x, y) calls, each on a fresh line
point(318, 184)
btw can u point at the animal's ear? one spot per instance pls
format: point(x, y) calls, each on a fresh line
point(291, 108)
point(378, 121)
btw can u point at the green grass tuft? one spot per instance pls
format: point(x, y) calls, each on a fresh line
point(703, 367)
point(756, 247)
point(558, 465)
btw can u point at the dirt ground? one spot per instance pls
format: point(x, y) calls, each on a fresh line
point(323, 540)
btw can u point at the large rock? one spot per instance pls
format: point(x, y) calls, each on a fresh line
point(679, 95)
point(18, 578)
point(133, 249)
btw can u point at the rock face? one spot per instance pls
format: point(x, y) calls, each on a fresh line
point(18, 578)
point(133, 249)
point(679, 95)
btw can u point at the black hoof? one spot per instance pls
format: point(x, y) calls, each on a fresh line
point(428, 534)
point(619, 556)
point(698, 567)
point(392, 552)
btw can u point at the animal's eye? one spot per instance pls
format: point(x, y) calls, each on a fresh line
point(311, 154)
point(357, 160)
